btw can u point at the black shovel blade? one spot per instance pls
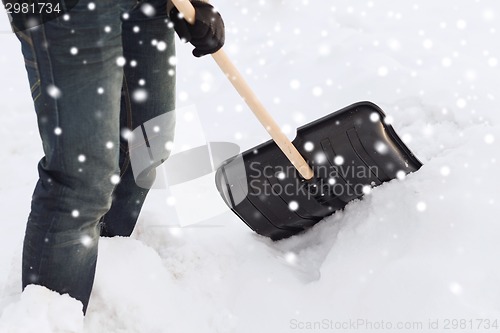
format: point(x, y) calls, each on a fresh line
point(350, 151)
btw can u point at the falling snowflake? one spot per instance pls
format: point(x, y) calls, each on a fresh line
point(75, 213)
point(120, 61)
point(367, 189)
point(57, 131)
point(53, 91)
point(320, 158)
point(81, 158)
point(421, 206)
point(86, 241)
point(126, 134)
point(291, 258)
point(295, 84)
point(446, 62)
point(427, 44)
point(148, 10)
point(456, 288)
point(339, 160)
point(100, 90)
point(172, 61)
point(91, 6)
point(383, 71)
point(461, 103)
point(381, 147)
point(73, 51)
point(293, 205)
point(140, 95)
point(169, 145)
point(445, 171)
point(374, 117)
point(115, 179)
point(489, 139)
point(461, 24)
point(309, 146)
point(171, 200)
point(110, 145)
point(161, 46)
point(401, 175)
point(317, 91)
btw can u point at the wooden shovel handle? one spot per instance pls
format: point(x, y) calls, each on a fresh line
point(239, 83)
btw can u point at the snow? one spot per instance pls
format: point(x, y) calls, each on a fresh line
point(420, 248)
point(39, 311)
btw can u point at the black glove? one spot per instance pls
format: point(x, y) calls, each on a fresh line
point(206, 34)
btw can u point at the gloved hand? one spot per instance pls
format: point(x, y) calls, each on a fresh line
point(206, 34)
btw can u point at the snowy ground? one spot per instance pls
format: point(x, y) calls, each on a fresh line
point(415, 251)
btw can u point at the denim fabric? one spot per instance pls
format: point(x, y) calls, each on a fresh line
point(84, 100)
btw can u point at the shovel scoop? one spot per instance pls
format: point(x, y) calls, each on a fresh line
point(282, 187)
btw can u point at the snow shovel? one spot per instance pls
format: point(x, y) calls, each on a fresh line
point(281, 188)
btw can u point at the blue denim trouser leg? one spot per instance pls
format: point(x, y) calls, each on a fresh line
point(84, 99)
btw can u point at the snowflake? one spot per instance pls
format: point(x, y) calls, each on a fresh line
point(446, 62)
point(489, 139)
point(86, 241)
point(428, 44)
point(120, 61)
point(291, 258)
point(383, 71)
point(421, 206)
point(367, 189)
point(309, 146)
point(461, 24)
point(381, 147)
point(374, 117)
point(317, 91)
point(140, 95)
point(456, 288)
point(115, 179)
point(54, 91)
point(401, 175)
point(293, 205)
point(161, 46)
point(148, 10)
point(295, 84)
point(320, 158)
point(461, 103)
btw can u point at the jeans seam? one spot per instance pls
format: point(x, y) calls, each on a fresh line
point(128, 110)
point(57, 147)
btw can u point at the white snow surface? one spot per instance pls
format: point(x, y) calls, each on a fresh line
point(413, 251)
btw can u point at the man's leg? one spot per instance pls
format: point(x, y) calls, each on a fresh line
point(148, 100)
point(76, 84)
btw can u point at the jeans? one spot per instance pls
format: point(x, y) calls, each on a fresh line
point(94, 75)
